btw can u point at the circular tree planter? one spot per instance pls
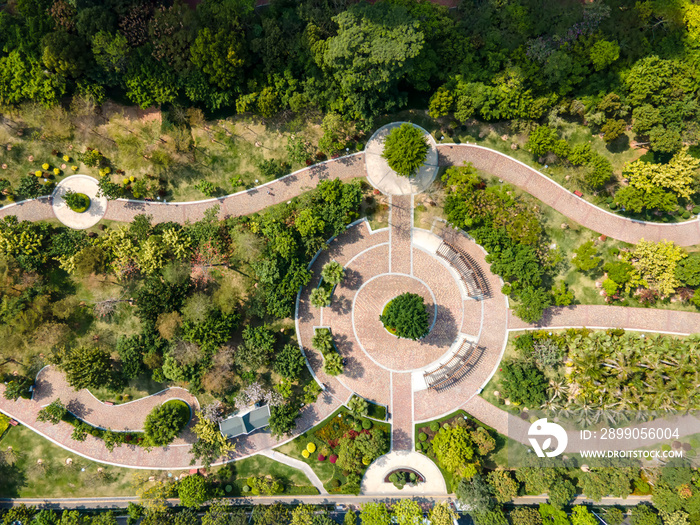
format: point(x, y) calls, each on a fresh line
point(406, 316)
point(78, 202)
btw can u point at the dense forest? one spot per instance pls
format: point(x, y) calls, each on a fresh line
point(604, 62)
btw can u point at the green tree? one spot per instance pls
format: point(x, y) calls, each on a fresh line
point(333, 364)
point(475, 493)
point(442, 514)
point(440, 103)
point(525, 516)
point(221, 513)
point(585, 257)
point(523, 384)
point(561, 493)
point(29, 187)
point(320, 297)
point(18, 387)
point(374, 48)
point(454, 451)
point(405, 149)
point(290, 362)
point(19, 514)
point(552, 515)
point(532, 302)
point(358, 406)
point(258, 344)
point(603, 53)
point(164, 423)
point(612, 129)
point(503, 486)
point(580, 515)
point(64, 53)
point(86, 367)
point(688, 270)
point(406, 316)
point(333, 273)
point(375, 514)
point(350, 518)
point(282, 419)
point(322, 340)
point(220, 56)
point(407, 512)
point(193, 491)
point(52, 413)
point(562, 295)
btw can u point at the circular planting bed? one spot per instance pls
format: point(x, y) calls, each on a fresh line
point(78, 202)
point(406, 316)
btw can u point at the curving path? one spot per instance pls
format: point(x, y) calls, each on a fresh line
point(352, 166)
point(51, 385)
point(383, 254)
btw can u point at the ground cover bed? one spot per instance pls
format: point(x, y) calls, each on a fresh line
point(334, 440)
point(476, 440)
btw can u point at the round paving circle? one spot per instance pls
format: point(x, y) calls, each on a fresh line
point(382, 347)
point(78, 184)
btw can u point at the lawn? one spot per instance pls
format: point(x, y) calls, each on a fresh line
point(53, 477)
point(26, 478)
point(294, 480)
point(325, 470)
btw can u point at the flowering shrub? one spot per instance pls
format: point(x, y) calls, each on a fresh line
point(333, 458)
point(321, 457)
point(45, 165)
point(37, 173)
point(311, 447)
point(56, 171)
point(305, 453)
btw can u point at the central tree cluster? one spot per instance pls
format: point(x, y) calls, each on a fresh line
point(405, 149)
point(406, 316)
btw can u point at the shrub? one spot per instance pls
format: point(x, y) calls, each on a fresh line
point(333, 458)
point(78, 202)
point(422, 436)
point(52, 413)
point(406, 316)
point(165, 422)
point(311, 447)
point(366, 424)
point(434, 426)
point(335, 483)
point(305, 453)
point(405, 149)
point(686, 214)
point(321, 457)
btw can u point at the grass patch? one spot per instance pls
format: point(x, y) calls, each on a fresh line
point(54, 478)
point(235, 475)
point(138, 387)
point(376, 411)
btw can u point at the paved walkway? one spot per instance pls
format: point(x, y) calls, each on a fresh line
point(299, 465)
point(549, 192)
point(78, 184)
point(352, 166)
point(52, 385)
point(601, 316)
